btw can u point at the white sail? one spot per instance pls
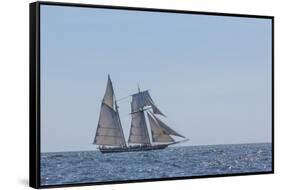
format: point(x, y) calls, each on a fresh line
point(166, 128)
point(158, 134)
point(138, 131)
point(109, 130)
point(142, 99)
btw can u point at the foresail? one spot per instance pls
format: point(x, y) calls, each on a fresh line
point(166, 128)
point(143, 99)
point(109, 131)
point(158, 134)
point(138, 131)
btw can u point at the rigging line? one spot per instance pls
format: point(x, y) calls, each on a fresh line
point(172, 123)
point(123, 98)
point(144, 109)
point(125, 115)
point(139, 92)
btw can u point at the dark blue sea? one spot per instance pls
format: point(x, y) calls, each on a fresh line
point(92, 166)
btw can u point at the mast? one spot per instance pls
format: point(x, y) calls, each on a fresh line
point(109, 130)
point(138, 131)
point(142, 102)
point(122, 133)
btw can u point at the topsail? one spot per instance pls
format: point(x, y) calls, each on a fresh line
point(142, 99)
point(108, 97)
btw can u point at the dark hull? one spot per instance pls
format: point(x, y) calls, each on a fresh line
point(132, 148)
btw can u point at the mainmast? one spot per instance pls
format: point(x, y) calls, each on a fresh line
point(138, 132)
point(119, 121)
point(140, 105)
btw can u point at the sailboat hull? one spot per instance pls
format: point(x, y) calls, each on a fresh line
point(132, 148)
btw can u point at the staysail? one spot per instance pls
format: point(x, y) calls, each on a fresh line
point(109, 130)
point(166, 128)
point(142, 99)
point(158, 133)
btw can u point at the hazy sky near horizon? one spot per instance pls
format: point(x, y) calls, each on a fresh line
point(211, 75)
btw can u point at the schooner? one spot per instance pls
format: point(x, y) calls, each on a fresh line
point(109, 134)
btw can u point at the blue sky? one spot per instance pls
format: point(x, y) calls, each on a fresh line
point(211, 75)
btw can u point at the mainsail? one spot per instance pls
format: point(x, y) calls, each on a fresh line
point(138, 131)
point(158, 134)
point(109, 131)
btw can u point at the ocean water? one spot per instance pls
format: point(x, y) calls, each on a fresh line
point(92, 166)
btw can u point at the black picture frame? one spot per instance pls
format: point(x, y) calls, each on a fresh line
point(34, 91)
